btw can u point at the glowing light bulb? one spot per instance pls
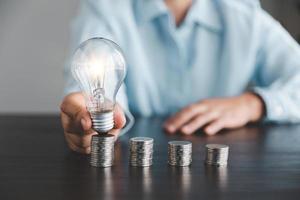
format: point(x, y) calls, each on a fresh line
point(99, 66)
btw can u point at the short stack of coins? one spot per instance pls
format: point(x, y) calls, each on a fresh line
point(180, 153)
point(216, 154)
point(102, 150)
point(141, 151)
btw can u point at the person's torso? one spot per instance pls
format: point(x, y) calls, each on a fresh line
point(211, 54)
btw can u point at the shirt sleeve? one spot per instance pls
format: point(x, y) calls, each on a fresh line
point(90, 22)
point(278, 70)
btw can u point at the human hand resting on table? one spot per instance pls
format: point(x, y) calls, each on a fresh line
point(77, 124)
point(212, 115)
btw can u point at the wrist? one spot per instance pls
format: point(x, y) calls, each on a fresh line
point(255, 105)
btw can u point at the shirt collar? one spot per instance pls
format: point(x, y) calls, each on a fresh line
point(147, 10)
point(205, 13)
point(202, 12)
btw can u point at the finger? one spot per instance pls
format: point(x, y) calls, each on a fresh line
point(199, 122)
point(119, 117)
point(72, 104)
point(83, 141)
point(75, 117)
point(224, 122)
point(86, 123)
point(215, 127)
point(79, 149)
point(182, 117)
point(69, 125)
point(81, 124)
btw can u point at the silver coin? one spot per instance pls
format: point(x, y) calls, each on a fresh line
point(180, 143)
point(179, 153)
point(102, 150)
point(216, 154)
point(141, 151)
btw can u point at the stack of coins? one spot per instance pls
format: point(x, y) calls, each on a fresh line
point(141, 151)
point(180, 153)
point(216, 154)
point(102, 150)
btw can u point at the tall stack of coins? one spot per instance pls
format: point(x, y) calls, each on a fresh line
point(141, 151)
point(180, 153)
point(102, 150)
point(216, 154)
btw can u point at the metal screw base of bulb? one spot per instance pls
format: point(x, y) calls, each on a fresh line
point(103, 121)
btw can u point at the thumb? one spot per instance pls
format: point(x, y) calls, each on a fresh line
point(86, 122)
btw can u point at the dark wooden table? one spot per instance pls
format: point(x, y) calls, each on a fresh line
point(264, 163)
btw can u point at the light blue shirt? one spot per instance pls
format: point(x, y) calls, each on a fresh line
point(221, 49)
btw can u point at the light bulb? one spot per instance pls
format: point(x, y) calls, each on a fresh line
point(99, 66)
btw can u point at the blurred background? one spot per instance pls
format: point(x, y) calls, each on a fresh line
point(34, 40)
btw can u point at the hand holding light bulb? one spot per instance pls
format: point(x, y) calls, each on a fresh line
point(77, 123)
point(99, 67)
